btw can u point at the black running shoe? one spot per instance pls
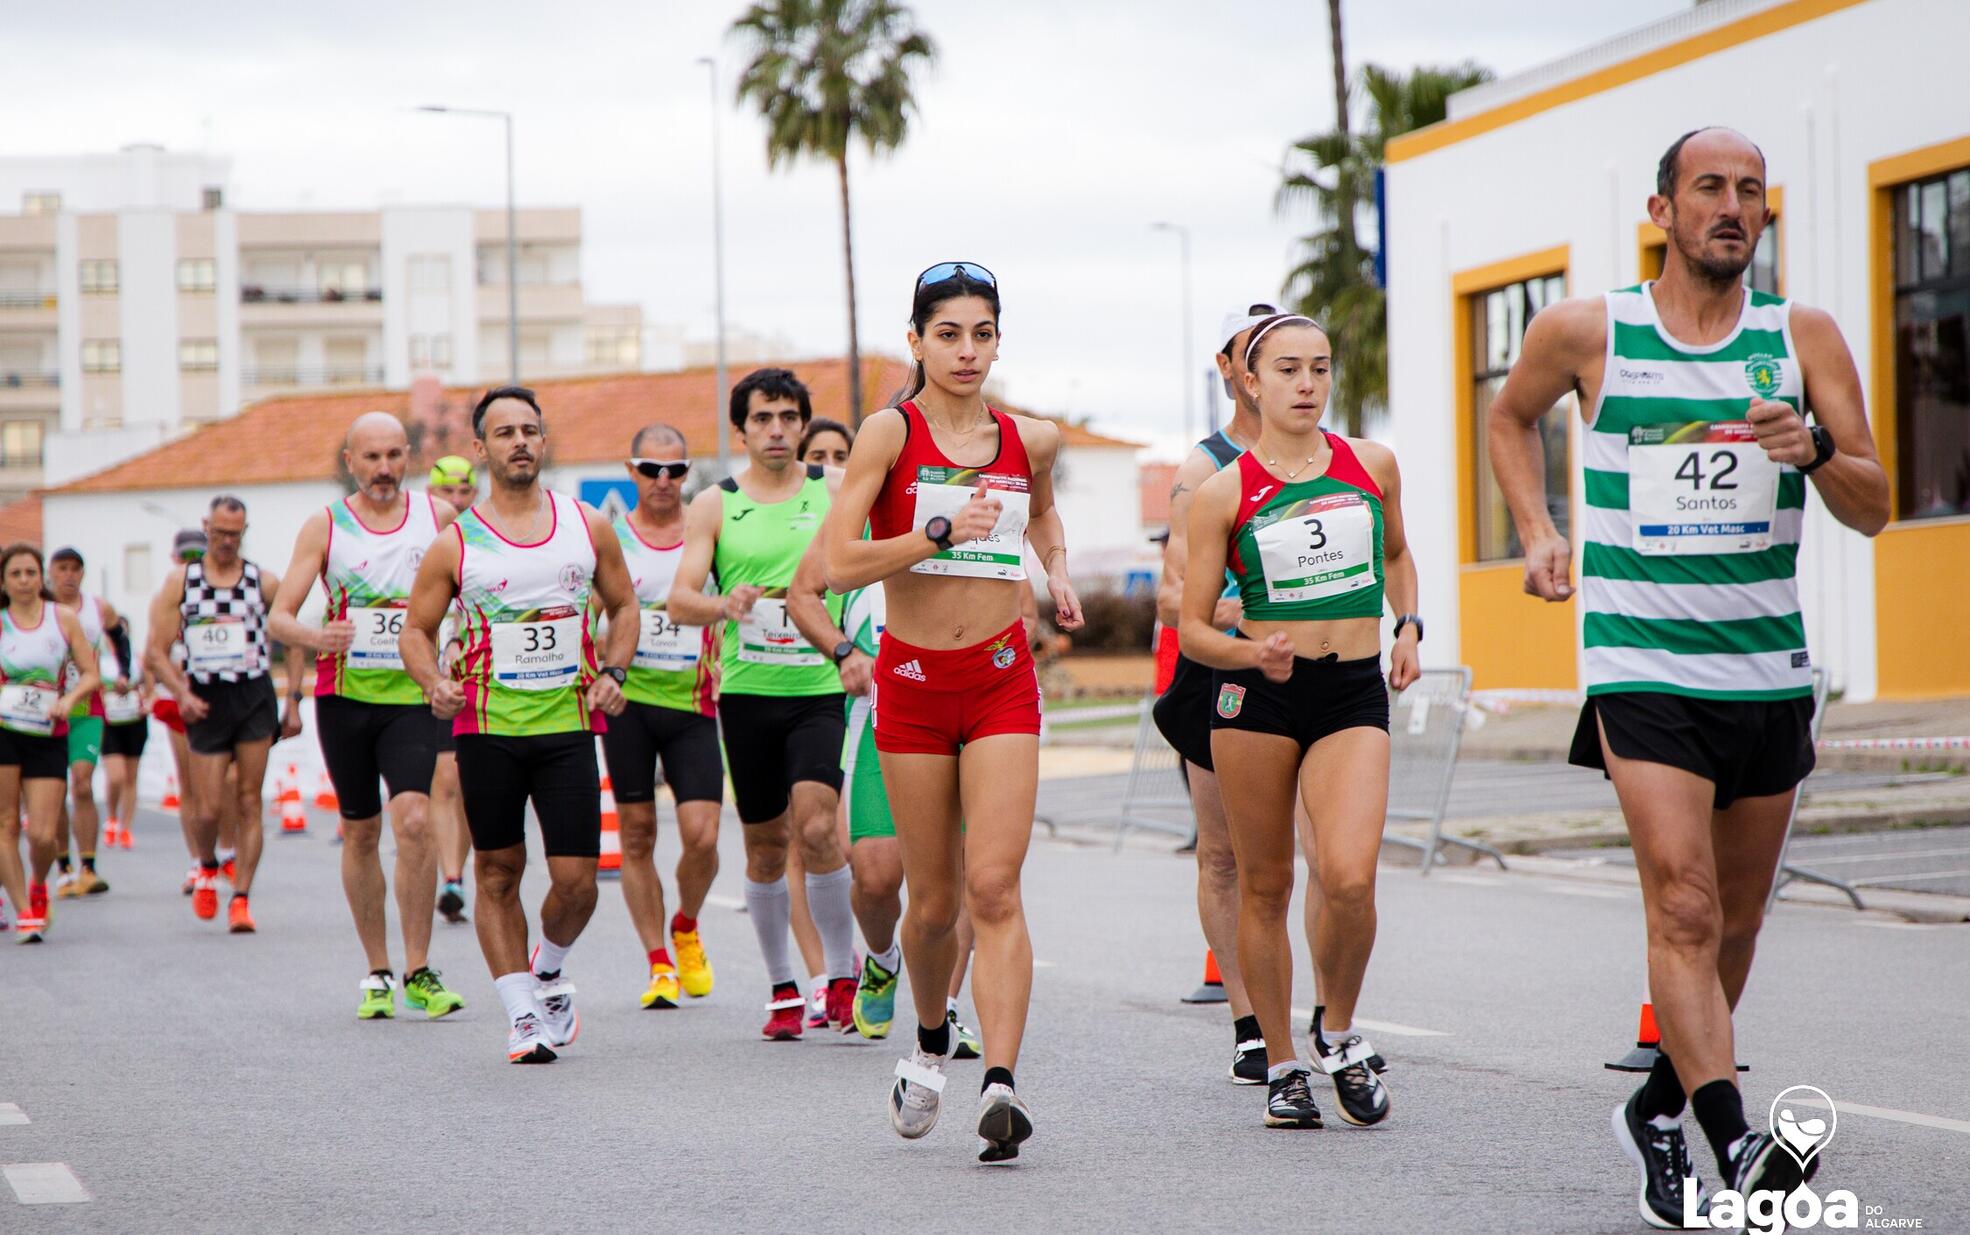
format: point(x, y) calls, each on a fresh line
point(451, 901)
point(1761, 1164)
point(1289, 1102)
point(1359, 1093)
point(1375, 1061)
point(1663, 1157)
point(1248, 1062)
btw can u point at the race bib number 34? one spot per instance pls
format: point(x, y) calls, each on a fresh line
point(999, 555)
point(544, 654)
point(767, 636)
point(375, 643)
point(1322, 547)
point(663, 644)
point(1701, 487)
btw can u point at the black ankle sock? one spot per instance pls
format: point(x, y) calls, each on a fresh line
point(413, 973)
point(89, 863)
point(380, 973)
point(1720, 1109)
point(239, 896)
point(1313, 1026)
point(210, 868)
point(1662, 1092)
point(935, 1040)
point(1245, 1029)
point(62, 860)
point(997, 1076)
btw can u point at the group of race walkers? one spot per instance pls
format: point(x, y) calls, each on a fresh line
point(844, 626)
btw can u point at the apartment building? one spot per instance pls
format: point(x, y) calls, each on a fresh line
point(136, 302)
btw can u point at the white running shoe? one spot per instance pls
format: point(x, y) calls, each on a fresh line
point(526, 1041)
point(1003, 1122)
point(557, 1011)
point(913, 1100)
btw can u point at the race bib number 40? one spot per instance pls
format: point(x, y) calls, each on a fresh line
point(1322, 547)
point(767, 636)
point(1701, 487)
point(28, 708)
point(1001, 554)
point(542, 654)
point(217, 645)
point(663, 644)
point(375, 643)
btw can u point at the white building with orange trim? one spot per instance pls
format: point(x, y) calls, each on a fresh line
point(1536, 187)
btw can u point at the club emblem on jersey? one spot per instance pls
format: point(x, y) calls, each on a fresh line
point(1762, 372)
point(416, 558)
point(571, 576)
point(1003, 658)
point(1231, 701)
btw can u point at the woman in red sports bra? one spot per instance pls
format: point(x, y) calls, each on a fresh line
point(951, 490)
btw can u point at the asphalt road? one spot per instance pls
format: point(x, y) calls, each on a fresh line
point(192, 1081)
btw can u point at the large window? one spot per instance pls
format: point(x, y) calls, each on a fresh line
point(20, 443)
point(1498, 321)
point(197, 274)
point(1932, 346)
point(198, 355)
point(99, 275)
point(102, 356)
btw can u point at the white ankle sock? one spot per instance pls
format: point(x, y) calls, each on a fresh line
point(892, 960)
point(552, 956)
point(516, 994)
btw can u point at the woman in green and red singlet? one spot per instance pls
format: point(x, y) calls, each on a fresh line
point(1309, 524)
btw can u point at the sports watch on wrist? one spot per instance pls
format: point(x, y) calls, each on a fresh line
point(842, 651)
point(1408, 619)
point(1823, 449)
point(938, 529)
point(620, 674)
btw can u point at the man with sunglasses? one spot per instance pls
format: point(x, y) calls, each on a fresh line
point(669, 715)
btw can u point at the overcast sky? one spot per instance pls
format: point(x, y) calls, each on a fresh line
point(1050, 136)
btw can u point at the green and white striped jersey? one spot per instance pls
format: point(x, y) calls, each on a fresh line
point(1690, 543)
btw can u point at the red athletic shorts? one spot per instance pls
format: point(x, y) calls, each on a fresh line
point(166, 710)
point(930, 702)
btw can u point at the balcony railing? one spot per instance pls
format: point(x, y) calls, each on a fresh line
point(254, 293)
point(27, 300)
point(314, 375)
point(14, 381)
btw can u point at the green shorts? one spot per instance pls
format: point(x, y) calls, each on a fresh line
point(85, 739)
point(861, 773)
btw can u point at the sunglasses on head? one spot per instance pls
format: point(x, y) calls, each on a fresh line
point(653, 468)
point(944, 271)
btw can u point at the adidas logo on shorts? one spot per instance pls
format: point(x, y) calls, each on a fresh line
point(910, 669)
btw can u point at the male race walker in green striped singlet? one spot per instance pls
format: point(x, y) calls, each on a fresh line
point(1697, 454)
point(781, 703)
point(370, 717)
point(528, 695)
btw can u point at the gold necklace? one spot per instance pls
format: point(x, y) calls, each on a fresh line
point(1288, 477)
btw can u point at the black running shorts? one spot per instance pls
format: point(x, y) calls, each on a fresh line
point(127, 740)
point(38, 757)
point(362, 741)
point(772, 742)
point(1746, 748)
point(687, 742)
point(1183, 714)
point(237, 713)
point(1322, 697)
point(498, 776)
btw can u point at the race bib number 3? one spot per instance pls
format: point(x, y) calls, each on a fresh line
point(27, 708)
point(999, 555)
point(663, 644)
point(216, 646)
point(768, 637)
point(1322, 547)
point(544, 654)
point(1702, 487)
point(375, 644)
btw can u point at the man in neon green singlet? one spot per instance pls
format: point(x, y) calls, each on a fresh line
point(1697, 454)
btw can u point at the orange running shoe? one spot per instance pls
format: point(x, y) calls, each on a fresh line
point(125, 837)
point(205, 894)
point(239, 919)
point(230, 871)
point(111, 827)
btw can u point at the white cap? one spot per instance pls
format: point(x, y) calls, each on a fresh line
point(1239, 320)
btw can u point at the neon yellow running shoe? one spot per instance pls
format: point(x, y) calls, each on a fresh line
point(423, 990)
point(693, 970)
point(663, 987)
point(875, 1000)
point(379, 998)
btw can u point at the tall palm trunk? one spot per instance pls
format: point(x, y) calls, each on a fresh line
point(1345, 206)
point(854, 336)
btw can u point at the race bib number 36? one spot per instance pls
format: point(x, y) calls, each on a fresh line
point(1702, 487)
point(216, 646)
point(1322, 547)
point(663, 644)
point(767, 636)
point(544, 654)
point(1001, 554)
point(375, 643)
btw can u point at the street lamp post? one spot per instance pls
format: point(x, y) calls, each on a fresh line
point(1189, 405)
point(720, 429)
point(512, 231)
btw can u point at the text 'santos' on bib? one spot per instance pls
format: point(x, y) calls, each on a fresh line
point(1700, 487)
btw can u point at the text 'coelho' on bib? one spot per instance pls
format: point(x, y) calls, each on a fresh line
point(1700, 487)
point(377, 630)
point(1316, 548)
point(1001, 554)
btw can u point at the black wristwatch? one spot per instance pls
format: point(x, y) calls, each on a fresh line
point(843, 651)
point(621, 675)
point(1407, 619)
point(938, 528)
point(1823, 448)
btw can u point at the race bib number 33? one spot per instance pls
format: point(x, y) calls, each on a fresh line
point(1701, 487)
point(544, 654)
point(1322, 547)
point(1001, 554)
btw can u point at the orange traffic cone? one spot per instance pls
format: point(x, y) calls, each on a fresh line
point(1648, 1045)
point(611, 860)
point(293, 815)
point(1212, 991)
point(170, 799)
point(325, 798)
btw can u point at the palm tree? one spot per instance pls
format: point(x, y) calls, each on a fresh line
point(1334, 279)
point(823, 72)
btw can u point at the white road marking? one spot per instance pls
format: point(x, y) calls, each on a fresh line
point(1043, 964)
point(1603, 894)
point(1471, 881)
point(1393, 1027)
point(11, 1114)
point(726, 902)
point(44, 1183)
point(1899, 926)
point(1887, 1112)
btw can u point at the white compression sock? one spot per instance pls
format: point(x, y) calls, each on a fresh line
point(834, 917)
point(516, 994)
point(770, 908)
point(892, 960)
point(551, 957)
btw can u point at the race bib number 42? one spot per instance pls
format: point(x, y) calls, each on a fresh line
point(375, 643)
point(663, 644)
point(543, 654)
point(1001, 554)
point(1322, 547)
point(767, 636)
point(1702, 487)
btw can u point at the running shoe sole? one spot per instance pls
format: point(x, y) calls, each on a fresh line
point(538, 1053)
point(1002, 1126)
point(1625, 1137)
point(1295, 1121)
point(376, 1014)
point(659, 1004)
